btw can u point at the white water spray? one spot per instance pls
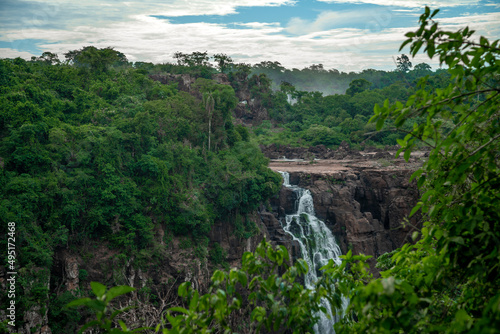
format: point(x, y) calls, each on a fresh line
point(317, 245)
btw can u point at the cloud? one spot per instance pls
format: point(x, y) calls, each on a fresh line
point(410, 3)
point(329, 20)
point(145, 38)
point(158, 7)
point(327, 39)
point(485, 24)
point(11, 53)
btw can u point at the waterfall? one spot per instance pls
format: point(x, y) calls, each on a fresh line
point(317, 245)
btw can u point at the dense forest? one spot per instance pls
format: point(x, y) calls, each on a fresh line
point(95, 148)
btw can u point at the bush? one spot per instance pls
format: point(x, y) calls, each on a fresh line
point(218, 254)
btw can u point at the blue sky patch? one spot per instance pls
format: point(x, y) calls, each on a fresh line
point(24, 45)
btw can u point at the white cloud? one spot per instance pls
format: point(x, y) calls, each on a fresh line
point(329, 19)
point(169, 8)
point(145, 38)
point(11, 53)
point(409, 3)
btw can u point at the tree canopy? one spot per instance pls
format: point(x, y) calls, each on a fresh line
point(403, 63)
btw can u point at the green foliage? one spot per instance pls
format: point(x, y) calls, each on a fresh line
point(319, 134)
point(97, 60)
point(244, 227)
point(263, 299)
point(271, 302)
point(186, 243)
point(83, 275)
point(101, 305)
point(223, 61)
point(274, 302)
point(403, 64)
point(449, 281)
point(358, 86)
point(93, 149)
point(329, 82)
point(62, 319)
point(384, 261)
point(314, 119)
point(198, 63)
point(217, 254)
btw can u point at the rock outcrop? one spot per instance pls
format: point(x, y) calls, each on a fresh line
point(275, 151)
point(250, 110)
point(366, 208)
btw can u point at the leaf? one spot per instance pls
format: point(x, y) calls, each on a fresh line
point(178, 309)
point(302, 266)
point(421, 181)
point(380, 124)
point(458, 240)
point(118, 291)
point(407, 154)
point(416, 174)
point(78, 302)
point(193, 304)
point(96, 305)
point(122, 325)
point(98, 289)
point(462, 316)
point(416, 208)
point(258, 314)
point(405, 43)
point(431, 50)
point(184, 289)
point(242, 278)
point(416, 47)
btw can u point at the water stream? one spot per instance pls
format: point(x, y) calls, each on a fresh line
point(317, 245)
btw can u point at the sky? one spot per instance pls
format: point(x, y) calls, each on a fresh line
point(348, 35)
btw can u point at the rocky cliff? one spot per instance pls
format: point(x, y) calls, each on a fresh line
point(249, 110)
point(156, 275)
point(365, 202)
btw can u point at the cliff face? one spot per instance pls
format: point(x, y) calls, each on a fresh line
point(250, 109)
point(365, 206)
point(156, 275)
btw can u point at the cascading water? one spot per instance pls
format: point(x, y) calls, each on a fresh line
point(317, 246)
